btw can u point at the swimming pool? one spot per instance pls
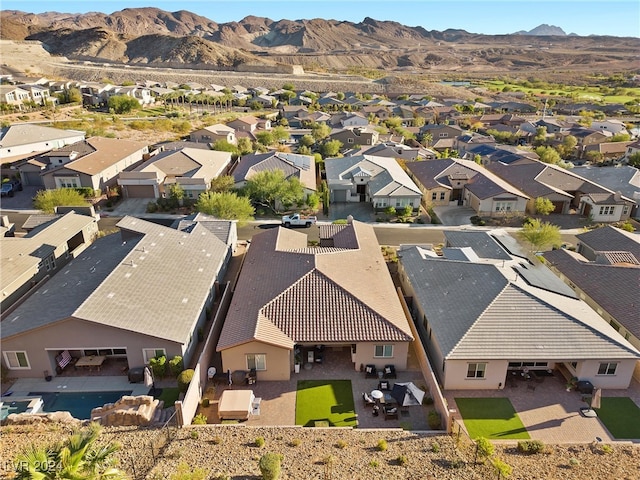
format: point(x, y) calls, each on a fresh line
point(30, 405)
point(79, 404)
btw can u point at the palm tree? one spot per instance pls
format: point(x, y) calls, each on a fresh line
point(77, 459)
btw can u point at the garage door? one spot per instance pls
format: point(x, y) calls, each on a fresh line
point(339, 195)
point(139, 191)
point(33, 178)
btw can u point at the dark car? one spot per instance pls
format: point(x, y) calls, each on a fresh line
point(9, 188)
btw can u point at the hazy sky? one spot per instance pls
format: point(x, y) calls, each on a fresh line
point(583, 17)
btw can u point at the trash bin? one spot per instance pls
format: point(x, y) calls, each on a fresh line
point(136, 375)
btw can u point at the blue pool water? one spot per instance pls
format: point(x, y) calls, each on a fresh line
point(13, 407)
point(79, 404)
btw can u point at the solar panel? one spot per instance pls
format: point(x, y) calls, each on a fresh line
point(541, 277)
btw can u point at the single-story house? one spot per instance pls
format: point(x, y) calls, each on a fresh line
point(350, 137)
point(621, 178)
point(338, 295)
point(94, 163)
point(366, 178)
point(192, 168)
point(26, 138)
point(43, 251)
point(212, 133)
point(566, 190)
point(292, 164)
point(483, 320)
point(135, 295)
point(609, 283)
point(466, 183)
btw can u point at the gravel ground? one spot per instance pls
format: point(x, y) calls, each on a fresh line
point(231, 450)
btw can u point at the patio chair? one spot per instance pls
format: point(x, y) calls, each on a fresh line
point(370, 371)
point(384, 385)
point(252, 377)
point(390, 412)
point(390, 371)
point(368, 401)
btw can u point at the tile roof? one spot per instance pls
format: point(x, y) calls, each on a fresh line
point(24, 134)
point(484, 245)
point(300, 166)
point(483, 311)
point(611, 239)
point(173, 273)
point(614, 288)
point(342, 293)
point(624, 179)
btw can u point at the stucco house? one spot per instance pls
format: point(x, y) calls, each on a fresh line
point(292, 164)
point(23, 139)
point(338, 295)
point(566, 190)
point(53, 241)
point(605, 273)
point(350, 137)
point(212, 133)
point(94, 163)
point(13, 95)
point(366, 178)
point(192, 168)
point(464, 182)
point(483, 319)
point(132, 295)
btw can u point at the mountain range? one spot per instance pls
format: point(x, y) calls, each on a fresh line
point(157, 37)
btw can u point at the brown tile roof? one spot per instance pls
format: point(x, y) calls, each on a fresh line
point(288, 292)
point(108, 152)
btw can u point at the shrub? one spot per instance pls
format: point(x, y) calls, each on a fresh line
point(152, 207)
point(484, 447)
point(373, 464)
point(199, 419)
point(295, 442)
point(503, 469)
point(184, 379)
point(259, 442)
point(216, 440)
point(434, 420)
point(402, 460)
point(270, 464)
point(574, 462)
point(427, 400)
point(176, 365)
point(435, 447)
point(382, 445)
point(158, 366)
point(530, 446)
point(205, 402)
point(194, 434)
point(607, 448)
point(341, 444)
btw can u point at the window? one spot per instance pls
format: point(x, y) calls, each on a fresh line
point(476, 370)
point(257, 361)
point(434, 196)
point(349, 140)
point(607, 210)
point(607, 368)
point(385, 351)
point(442, 195)
point(149, 353)
point(17, 360)
point(503, 206)
point(574, 365)
point(625, 209)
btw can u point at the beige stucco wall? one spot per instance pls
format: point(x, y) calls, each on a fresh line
point(72, 334)
point(279, 361)
point(365, 355)
point(588, 370)
point(455, 376)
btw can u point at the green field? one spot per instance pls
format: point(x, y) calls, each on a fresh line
point(492, 418)
point(325, 401)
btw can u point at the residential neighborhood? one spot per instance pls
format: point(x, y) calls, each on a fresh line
point(253, 305)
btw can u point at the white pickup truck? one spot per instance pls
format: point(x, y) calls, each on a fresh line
point(297, 220)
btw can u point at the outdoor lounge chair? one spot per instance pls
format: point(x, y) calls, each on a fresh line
point(390, 412)
point(390, 371)
point(368, 401)
point(370, 371)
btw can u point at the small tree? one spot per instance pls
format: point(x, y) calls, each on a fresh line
point(184, 379)
point(122, 104)
point(47, 200)
point(176, 192)
point(544, 206)
point(158, 366)
point(540, 234)
point(484, 448)
point(176, 365)
point(503, 469)
point(186, 472)
point(270, 465)
point(225, 205)
point(223, 183)
point(634, 159)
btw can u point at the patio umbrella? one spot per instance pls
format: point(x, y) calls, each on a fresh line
point(148, 379)
point(407, 394)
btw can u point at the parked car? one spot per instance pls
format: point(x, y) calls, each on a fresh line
point(297, 220)
point(10, 188)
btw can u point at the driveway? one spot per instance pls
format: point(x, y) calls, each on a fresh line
point(361, 211)
point(454, 215)
point(136, 207)
point(22, 200)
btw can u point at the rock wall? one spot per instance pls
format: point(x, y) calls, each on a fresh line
point(127, 411)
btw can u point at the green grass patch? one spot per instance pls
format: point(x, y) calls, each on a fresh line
point(325, 400)
point(169, 396)
point(621, 417)
point(492, 418)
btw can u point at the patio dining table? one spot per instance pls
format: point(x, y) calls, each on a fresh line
point(91, 361)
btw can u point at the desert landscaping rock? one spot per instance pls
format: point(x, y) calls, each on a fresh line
point(231, 450)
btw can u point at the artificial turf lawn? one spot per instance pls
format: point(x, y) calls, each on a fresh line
point(621, 417)
point(169, 396)
point(492, 418)
point(325, 400)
